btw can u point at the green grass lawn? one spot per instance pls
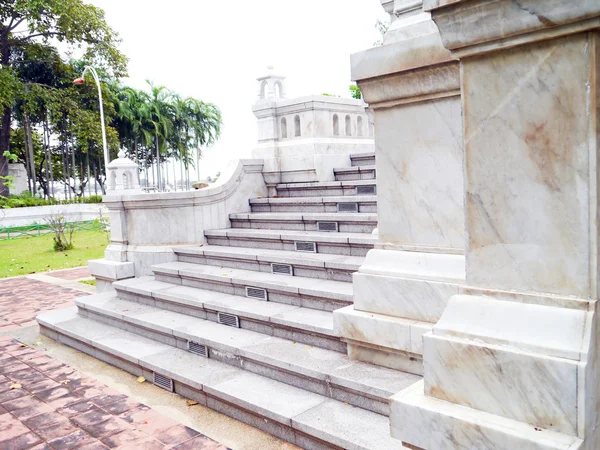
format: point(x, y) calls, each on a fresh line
point(35, 254)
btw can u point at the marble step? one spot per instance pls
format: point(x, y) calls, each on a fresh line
point(325, 295)
point(355, 173)
point(350, 244)
point(309, 420)
point(303, 264)
point(346, 222)
point(327, 188)
point(318, 370)
point(362, 159)
point(334, 204)
point(309, 326)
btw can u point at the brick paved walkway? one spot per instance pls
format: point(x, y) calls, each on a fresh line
point(55, 407)
point(71, 274)
point(23, 298)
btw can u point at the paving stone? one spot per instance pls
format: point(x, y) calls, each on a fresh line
point(90, 418)
point(53, 393)
point(32, 411)
point(12, 394)
point(43, 420)
point(147, 420)
point(121, 406)
point(26, 401)
point(21, 442)
point(76, 408)
point(56, 430)
point(40, 385)
point(75, 440)
point(42, 446)
point(145, 444)
point(176, 434)
point(125, 437)
point(112, 425)
point(200, 443)
point(10, 428)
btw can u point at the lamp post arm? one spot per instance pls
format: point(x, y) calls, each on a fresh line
point(104, 145)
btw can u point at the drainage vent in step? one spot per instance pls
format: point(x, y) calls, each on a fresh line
point(310, 247)
point(327, 226)
point(282, 269)
point(252, 292)
point(198, 349)
point(228, 319)
point(163, 382)
point(365, 190)
point(347, 207)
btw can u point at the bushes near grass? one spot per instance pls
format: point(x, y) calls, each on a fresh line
point(25, 200)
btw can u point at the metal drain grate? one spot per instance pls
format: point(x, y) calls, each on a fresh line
point(163, 382)
point(347, 207)
point(258, 293)
point(365, 190)
point(198, 349)
point(282, 269)
point(327, 226)
point(228, 319)
point(310, 247)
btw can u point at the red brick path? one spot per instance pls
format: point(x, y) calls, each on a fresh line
point(58, 408)
point(21, 299)
point(71, 274)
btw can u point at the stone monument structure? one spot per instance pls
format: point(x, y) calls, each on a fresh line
point(468, 322)
point(302, 139)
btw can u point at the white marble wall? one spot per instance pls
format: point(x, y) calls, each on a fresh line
point(528, 142)
point(419, 170)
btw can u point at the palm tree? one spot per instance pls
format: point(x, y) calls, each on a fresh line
point(158, 110)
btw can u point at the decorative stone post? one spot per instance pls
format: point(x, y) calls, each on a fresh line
point(401, 290)
point(513, 362)
point(122, 179)
point(123, 174)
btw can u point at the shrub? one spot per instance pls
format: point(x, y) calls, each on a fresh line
point(61, 228)
point(25, 200)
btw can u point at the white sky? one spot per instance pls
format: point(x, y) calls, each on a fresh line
point(214, 50)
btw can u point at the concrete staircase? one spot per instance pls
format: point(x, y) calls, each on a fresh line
point(244, 324)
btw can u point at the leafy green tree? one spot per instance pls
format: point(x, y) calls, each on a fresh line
point(25, 23)
point(355, 91)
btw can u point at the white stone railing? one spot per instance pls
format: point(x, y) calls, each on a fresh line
point(145, 227)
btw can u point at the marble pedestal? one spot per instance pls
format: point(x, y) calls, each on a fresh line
point(513, 361)
point(401, 290)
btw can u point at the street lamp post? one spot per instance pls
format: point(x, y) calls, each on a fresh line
point(97, 80)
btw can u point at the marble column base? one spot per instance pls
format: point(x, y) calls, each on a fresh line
point(431, 424)
point(505, 371)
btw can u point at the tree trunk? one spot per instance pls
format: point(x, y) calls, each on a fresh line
point(50, 162)
point(4, 147)
point(95, 181)
point(27, 164)
point(6, 121)
point(158, 180)
point(31, 153)
point(89, 176)
point(73, 166)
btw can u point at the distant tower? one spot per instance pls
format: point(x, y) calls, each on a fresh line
point(271, 86)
